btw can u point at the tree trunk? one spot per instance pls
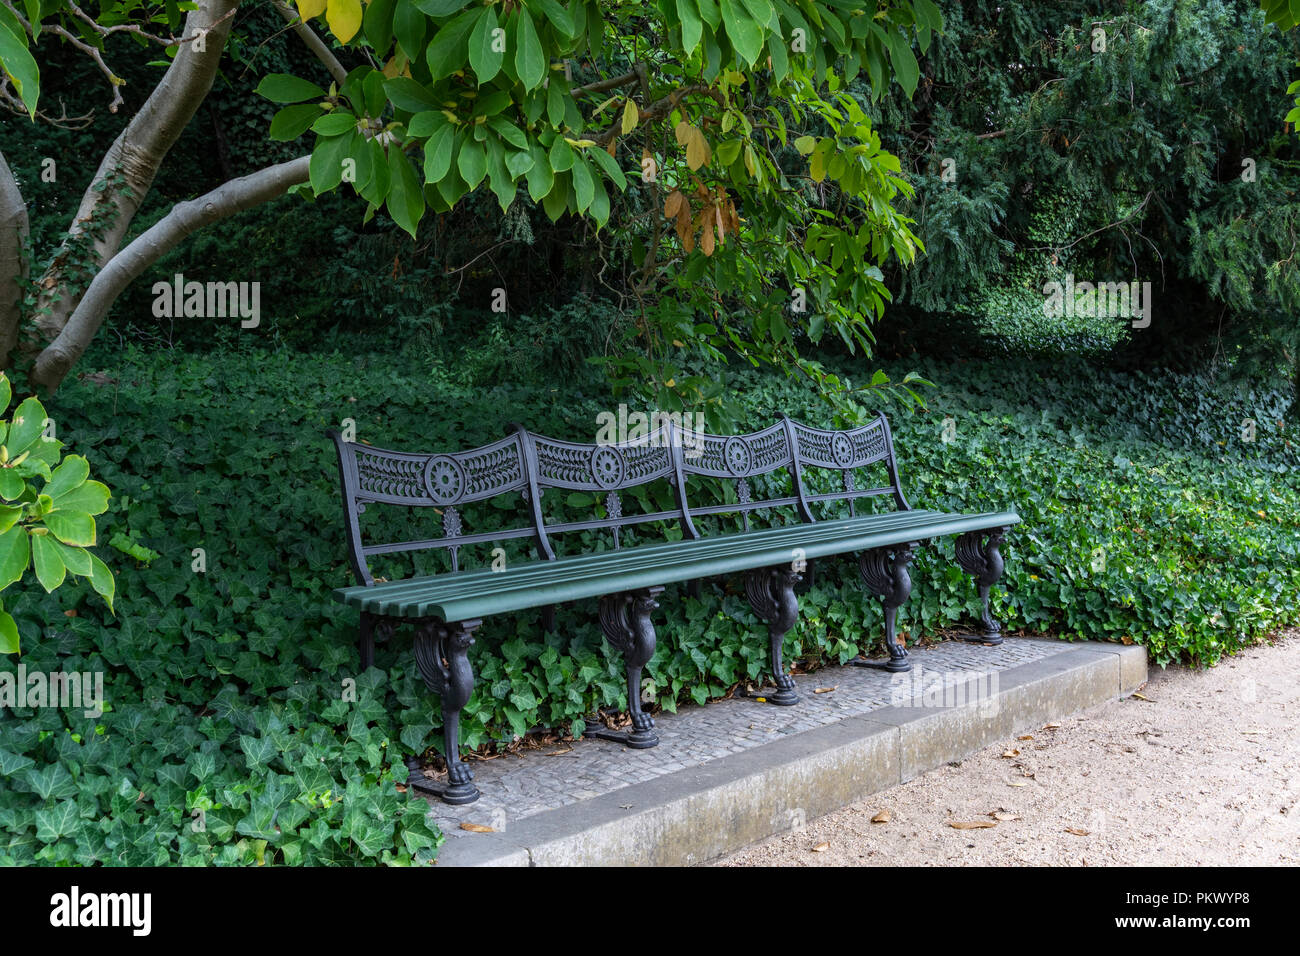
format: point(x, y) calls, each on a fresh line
point(133, 160)
point(184, 218)
point(13, 259)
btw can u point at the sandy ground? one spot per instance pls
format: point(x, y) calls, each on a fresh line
point(1203, 768)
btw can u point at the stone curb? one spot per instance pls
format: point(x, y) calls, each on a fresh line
point(704, 812)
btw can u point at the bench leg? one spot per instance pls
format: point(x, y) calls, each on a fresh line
point(771, 595)
point(442, 656)
point(625, 619)
point(374, 628)
point(884, 571)
point(978, 552)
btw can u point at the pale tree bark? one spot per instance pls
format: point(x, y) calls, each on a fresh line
point(184, 218)
point(135, 157)
point(13, 259)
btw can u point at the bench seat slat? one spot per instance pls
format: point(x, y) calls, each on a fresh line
point(479, 593)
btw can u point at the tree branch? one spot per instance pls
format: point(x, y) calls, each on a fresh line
point(313, 42)
point(184, 218)
point(13, 259)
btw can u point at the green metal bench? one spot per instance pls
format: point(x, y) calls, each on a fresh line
point(446, 609)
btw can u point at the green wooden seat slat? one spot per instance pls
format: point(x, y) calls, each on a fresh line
point(480, 593)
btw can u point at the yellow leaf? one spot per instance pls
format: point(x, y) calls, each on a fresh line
point(310, 8)
point(344, 18)
point(683, 132)
point(821, 848)
point(631, 116)
point(476, 828)
point(817, 166)
point(972, 824)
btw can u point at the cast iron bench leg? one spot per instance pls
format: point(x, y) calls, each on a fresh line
point(374, 628)
point(978, 552)
point(884, 571)
point(771, 595)
point(625, 619)
point(442, 656)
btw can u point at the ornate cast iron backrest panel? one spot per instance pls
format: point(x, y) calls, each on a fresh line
point(445, 482)
point(739, 460)
point(846, 451)
point(605, 470)
point(529, 464)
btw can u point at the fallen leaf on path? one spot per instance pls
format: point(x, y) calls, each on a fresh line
point(1077, 831)
point(560, 753)
point(476, 828)
point(821, 848)
point(1025, 737)
point(1004, 815)
point(1011, 753)
point(1051, 726)
point(1142, 697)
point(824, 690)
point(881, 817)
point(972, 824)
point(1017, 783)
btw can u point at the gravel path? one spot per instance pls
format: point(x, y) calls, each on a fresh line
point(1203, 768)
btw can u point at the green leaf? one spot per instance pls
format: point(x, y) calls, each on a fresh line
point(283, 88)
point(326, 167)
point(437, 153)
point(424, 124)
point(49, 567)
point(28, 425)
point(561, 155)
point(9, 515)
point(21, 69)
point(905, 65)
point(6, 393)
point(334, 124)
point(540, 176)
point(71, 527)
point(15, 553)
point(58, 821)
point(746, 35)
point(692, 24)
point(101, 579)
point(559, 17)
point(486, 47)
point(406, 94)
point(75, 559)
point(377, 24)
point(90, 497)
point(405, 198)
point(11, 484)
point(530, 61)
point(583, 184)
point(8, 634)
point(67, 477)
point(292, 121)
point(440, 8)
point(446, 53)
point(472, 163)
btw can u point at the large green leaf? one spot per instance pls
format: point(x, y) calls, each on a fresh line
point(90, 497)
point(8, 634)
point(68, 476)
point(21, 68)
point(292, 121)
point(405, 199)
point(15, 553)
point(746, 35)
point(438, 153)
point(487, 47)
point(446, 54)
point(28, 425)
point(530, 61)
point(71, 527)
point(905, 66)
point(283, 88)
point(47, 563)
point(101, 579)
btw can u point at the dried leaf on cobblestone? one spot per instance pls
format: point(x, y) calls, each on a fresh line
point(1025, 737)
point(476, 828)
point(559, 753)
point(1077, 831)
point(1051, 726)
point(821, 848)
point(972, 824)
point(824, 690)
point(881, 817)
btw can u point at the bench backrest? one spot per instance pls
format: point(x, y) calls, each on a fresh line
point(528, 464)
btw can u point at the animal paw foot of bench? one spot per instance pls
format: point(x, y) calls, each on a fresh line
point(460, 789)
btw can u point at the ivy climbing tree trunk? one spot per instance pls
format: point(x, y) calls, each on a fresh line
point(124, 178)
point(13, 258)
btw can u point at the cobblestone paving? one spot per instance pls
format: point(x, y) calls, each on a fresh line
point(517, 787)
